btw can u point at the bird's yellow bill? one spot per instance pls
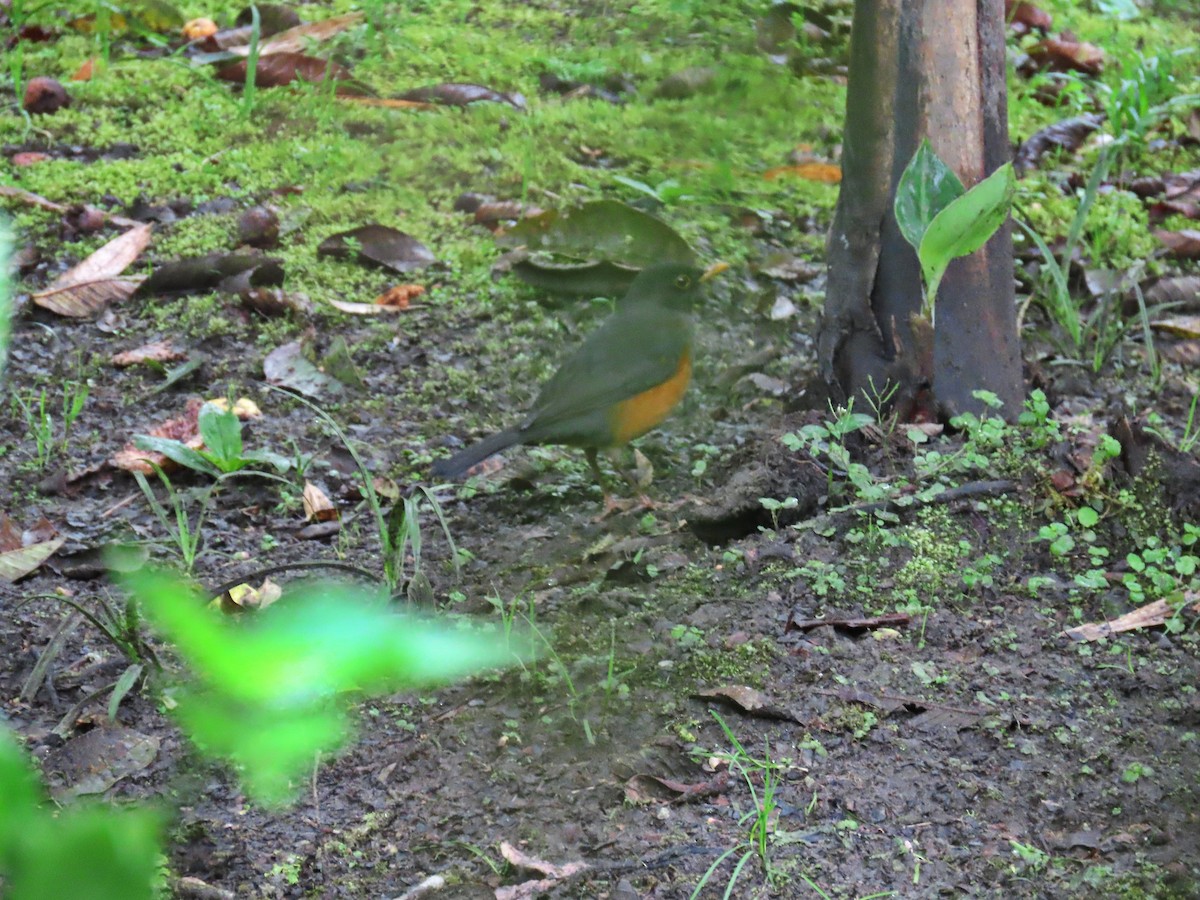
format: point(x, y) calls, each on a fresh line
point(715, 269)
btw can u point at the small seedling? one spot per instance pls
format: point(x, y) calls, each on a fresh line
point(223, 452)
point(942, 220)
point(761, 815)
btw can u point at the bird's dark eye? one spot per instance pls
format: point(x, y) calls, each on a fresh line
point(683, 282)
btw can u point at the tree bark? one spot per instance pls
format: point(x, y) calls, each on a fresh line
point(936, 69)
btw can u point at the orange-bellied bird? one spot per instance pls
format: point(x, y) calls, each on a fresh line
point(621, 382)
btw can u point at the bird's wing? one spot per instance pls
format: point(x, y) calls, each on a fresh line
point(627, 355)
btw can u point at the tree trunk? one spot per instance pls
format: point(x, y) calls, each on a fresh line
point(936, 69)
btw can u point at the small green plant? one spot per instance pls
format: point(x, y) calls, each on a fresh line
point(1053, 292)
point(1031, 858)
point(824, 579)
point(404, 536)
point(1185, 442)
point(687, 635)
point(760, 816)
point(223, 452)
point(122, 625)
point(942, 220)
point(879, 399)
point(1158, 570)
point(49, 439)
point(1041, 430)
point(828, 439)
point(185, 534)
point(775, 507)
point(399, 531)
point(250, 86)
point(665, 192)
point(1145, 95)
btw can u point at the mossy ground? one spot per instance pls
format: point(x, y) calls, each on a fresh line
point(975, 751)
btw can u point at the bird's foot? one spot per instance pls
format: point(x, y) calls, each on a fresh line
point(614, 506)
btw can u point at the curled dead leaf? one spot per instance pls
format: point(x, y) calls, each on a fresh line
point(399, 296)
point(317, 505)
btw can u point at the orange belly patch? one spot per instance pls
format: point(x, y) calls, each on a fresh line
point(634, 417)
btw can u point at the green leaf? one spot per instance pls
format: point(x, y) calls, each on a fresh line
point(123, 686)
point(272, 689)
point(965, 225)
point(221, 431)
point(99, 852)
point(926, 187)
point(176, 451)
point(20, 793)
point(268, 457)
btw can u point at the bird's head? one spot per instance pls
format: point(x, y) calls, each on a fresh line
point(672, 285)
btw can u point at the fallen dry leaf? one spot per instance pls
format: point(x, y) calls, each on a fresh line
point(287, 367)
point(644, 788)
point(1183, 244)
point(1068, 135)
point(247, 598)
point(1182, 290)
point(459, 94)
point(244, 408)
point(86, 71)
point(317, 505)
point(379, 244)
point(1179, 326)
point(1061, 55)
point(531, 889)
point(158, 351)
point(1149, 616)
point(29, 158)
point(1025, 17)
point(21, 554)
point(388, 102)
point(94, 283)
point(24, 196)
point(826, 173)
point(399, 296)
point(297, 38)
point(748, 700)
point(284, 68)
point(198, 29)
point(185, 428)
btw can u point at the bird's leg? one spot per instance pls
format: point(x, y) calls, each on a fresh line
point(612, 505)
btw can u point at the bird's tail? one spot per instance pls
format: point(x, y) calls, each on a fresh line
point(475, 454)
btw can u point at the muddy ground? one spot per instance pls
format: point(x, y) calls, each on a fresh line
point(900, 671)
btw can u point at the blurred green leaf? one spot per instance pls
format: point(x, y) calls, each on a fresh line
point(97, 852)
point(270, 689)
point(577, 242)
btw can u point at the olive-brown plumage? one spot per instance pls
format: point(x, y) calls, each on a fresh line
point(623, 380)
